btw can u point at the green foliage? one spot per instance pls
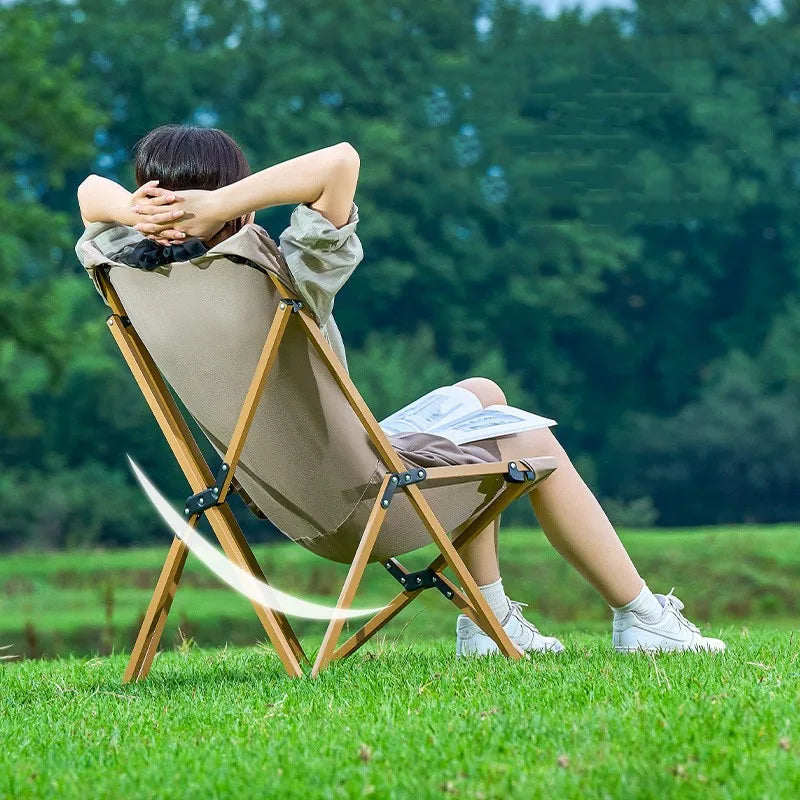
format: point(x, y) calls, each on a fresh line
point(599, 212)
point(727, 455)
point(46, 127)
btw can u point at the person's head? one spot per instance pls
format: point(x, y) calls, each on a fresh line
point(186, 157)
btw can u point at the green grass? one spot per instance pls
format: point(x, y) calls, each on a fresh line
point(404, 719)
point(89, 603)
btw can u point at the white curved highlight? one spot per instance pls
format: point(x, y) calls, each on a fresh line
point(236, 577)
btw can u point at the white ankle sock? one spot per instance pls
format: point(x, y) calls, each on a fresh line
point(496, 598)
point(645, 605)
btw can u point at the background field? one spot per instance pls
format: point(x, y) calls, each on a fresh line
point(402, 717)
point(89, 603)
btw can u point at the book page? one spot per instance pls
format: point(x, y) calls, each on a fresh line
point(433, 409)
point(486, 423)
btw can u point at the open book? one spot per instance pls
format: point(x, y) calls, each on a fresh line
point(456, 414)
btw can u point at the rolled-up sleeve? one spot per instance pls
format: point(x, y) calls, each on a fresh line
point(320, 257)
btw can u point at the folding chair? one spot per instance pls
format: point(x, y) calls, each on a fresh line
point(197, 297)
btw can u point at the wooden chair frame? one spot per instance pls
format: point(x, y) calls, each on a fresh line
point(520, 481)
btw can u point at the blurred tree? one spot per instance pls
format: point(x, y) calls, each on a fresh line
point(597, 212)
point(46, 125)
point(729, 456)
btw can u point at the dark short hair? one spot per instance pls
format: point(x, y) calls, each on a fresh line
point(186, 157)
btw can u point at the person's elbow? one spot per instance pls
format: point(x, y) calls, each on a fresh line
point(347, 158)
point(86, 192)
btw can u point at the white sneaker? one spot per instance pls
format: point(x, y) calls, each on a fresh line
point(472, 641)
point(669, 633)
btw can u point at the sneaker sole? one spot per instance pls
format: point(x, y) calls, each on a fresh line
point(642, 649)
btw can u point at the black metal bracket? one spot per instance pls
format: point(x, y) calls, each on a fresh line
point(290, 301)
point(126, 321)
point(208, 498)
point(415, 581)
point(399, 479)
point(517, 475)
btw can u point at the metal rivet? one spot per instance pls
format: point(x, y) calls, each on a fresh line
point(449, 594)
point(394, 478)
point(419, 580)
point(282, 305)
point(224, 467)
point(215, 490)
point(185, 510)
point(402, 580)
point(200, 501)
point(513, 465)
point(421, 474)
point(384, 503)
point(388, 565)
point(434, 579)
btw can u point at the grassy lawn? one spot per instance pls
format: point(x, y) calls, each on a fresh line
point(408, 720)
point(403, 718)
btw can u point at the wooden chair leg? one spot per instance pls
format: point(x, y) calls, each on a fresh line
point(277, 627)
point(153, 623)
point(487, 621)
point(199, 477)
point(353, 580)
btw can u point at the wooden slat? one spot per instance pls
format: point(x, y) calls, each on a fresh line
point(156, 614)
point(485, 469)
point(351, 583)
point(268, 355)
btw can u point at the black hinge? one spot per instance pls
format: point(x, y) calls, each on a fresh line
point(414, 581)
point(290, 301)
point(202, 501)
point(517, 475)
point(398, 479)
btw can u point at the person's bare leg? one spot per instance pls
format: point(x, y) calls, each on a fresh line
point(574, 521)
point(481, 554)
point(480, 557)
point(578, 528)
point(568, 512)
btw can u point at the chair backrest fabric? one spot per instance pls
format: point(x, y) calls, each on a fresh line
point(307, 460)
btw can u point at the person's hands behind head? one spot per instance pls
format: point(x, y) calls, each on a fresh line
point(192, 212)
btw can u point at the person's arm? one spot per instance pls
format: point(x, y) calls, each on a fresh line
point(324, 179)
point(103, 200)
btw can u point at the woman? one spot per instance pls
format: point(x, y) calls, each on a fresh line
point(195, 190)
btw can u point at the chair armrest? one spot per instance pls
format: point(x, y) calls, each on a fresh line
point(541, 466)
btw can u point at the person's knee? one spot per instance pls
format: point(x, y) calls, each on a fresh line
point(531, 444)
point(487, 391)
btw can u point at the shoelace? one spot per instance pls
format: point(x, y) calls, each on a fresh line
point(677, 606)
point(516, 610)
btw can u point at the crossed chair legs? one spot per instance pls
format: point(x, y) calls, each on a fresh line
point(468, 599)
